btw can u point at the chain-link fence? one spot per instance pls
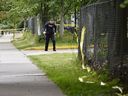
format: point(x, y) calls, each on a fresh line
point(34, 24)
point(106, 37)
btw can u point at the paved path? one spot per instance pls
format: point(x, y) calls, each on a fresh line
point(19, 77)
point(39, 52)
point(6, 38)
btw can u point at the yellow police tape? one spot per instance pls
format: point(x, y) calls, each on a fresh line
point(83, 32)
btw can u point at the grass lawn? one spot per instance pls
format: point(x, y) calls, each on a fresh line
point(65, 70)
point(30, 42)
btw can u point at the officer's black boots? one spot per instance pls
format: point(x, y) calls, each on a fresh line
point(54, 45)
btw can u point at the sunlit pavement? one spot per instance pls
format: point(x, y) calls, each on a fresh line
point(19, 77)
point(40, 52)
point(6, 38)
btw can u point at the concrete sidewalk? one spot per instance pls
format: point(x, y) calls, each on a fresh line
point(19, 77)
point(39, 52)
point(6, 38)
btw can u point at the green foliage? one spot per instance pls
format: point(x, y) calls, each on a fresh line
point(66, 74)
point(4, 8)
point(124, 4)
point(19, 10)
point(4, 5)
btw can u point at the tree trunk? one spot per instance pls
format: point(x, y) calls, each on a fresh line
point(75, 17)
point(62, 19)
point(41, 13)
point(44, 12)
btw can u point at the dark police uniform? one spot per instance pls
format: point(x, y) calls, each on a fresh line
point(50, 29)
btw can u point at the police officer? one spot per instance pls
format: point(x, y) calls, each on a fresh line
point(50, 32)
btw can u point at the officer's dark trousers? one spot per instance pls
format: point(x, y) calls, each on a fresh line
point(48, 37)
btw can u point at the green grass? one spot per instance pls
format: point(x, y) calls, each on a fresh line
point(65, 70)
point(30, 42)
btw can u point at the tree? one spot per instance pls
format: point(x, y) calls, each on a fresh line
point(4, 7)
point(20, 10)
